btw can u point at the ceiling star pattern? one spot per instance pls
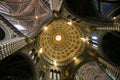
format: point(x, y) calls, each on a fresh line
point(60, 41)
point(29, 12)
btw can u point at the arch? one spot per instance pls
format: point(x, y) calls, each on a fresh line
point(111, 47)
point(58, 75)
point(17, 67)
point(2, 34)
point(51, 73)
point(55, 75)
point(85, 10)
point(114, 13)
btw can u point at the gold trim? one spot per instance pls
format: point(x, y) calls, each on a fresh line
point(66, 48)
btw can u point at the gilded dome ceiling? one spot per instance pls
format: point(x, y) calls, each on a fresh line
point(60, 40)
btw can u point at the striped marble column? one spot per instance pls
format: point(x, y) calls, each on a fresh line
point(10, 46)
point(110, 69)
point(111, 28)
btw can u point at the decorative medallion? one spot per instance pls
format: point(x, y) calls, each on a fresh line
point(60, 41)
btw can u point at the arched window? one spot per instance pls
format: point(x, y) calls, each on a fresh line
point(58, 75)
point(30, 52)
point(94, 41)
point(51, 74)
point(55, 75)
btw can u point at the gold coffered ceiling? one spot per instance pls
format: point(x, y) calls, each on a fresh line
point(61, 40)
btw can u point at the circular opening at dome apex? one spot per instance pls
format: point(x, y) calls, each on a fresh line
point(58, 37)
